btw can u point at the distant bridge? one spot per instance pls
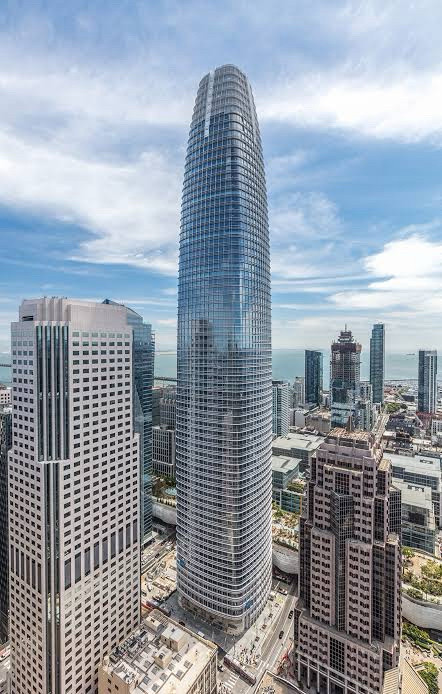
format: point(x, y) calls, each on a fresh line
point(162, 378)
point(7, 366)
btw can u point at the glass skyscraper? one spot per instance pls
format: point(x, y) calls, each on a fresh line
point(224, 389)
point(377, 361)
point(427, 381)
point(143, 355)
point(313, 376)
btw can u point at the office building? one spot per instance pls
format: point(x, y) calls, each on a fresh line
point(301, 446)
point(377, 362)
point(423, 471)
point(5, 445)
point(427, 381)
point(168, 407)
point(74, 493)
point(313, 377)
point(285, 470)
point(163, 455)
point(345, 368)
point(348, 616)
point(5, 395)
point(366, 411)
point(280, 425)
point(298, 391)
point(160, 657)
point(143, 347)
point(224, 388)
point(418, 520)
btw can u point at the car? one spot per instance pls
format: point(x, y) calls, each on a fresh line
point(183, 624)
point(281, 634)
point(220, 667)
point(290, 614)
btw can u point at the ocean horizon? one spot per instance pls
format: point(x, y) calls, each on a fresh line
point(287, 364)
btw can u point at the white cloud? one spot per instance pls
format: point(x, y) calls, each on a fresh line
point(406, 274)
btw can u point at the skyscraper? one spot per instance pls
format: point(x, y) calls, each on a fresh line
point(348, 616)
point(427, 381)
point(74, 494)
point(280, 425)
point(313, 377)
point(143, 356)
point(298, 391)
point(377, 362)
point(5, 445)
point(345, 368)
point(224, 389)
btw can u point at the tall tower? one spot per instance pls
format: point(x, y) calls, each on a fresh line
point(224, 388)
point(427, 381)
point(345, 369)
point(143, 356)
point(74, 494)
point(313, 376)
point(280, 425)
point(5, 445)
point(348, 616)
point(377, 362)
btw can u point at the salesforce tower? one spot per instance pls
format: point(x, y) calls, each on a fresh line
point(224, 390)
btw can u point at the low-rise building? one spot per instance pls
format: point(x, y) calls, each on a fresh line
point(423, 470)
point(160, 657)
point(284, 470)
point(5, 395)
point(418, 521)
point(296, 445)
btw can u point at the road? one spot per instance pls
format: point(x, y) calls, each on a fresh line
point(272, 649)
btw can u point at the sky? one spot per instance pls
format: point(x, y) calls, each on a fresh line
point(96, 99)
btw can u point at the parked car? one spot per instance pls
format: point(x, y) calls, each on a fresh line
point(281, 634)
point(290, 614)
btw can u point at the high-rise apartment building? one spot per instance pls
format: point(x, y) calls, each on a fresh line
point(313, 377)
point(427, 381)
point(5, 445)
point(348, 616)
point(298, 391)
point(280, 425)
point(163, 454)
point(367, 412)
point(74, 494)
point(224, 389)
point(168, 407)
point(377, 362)
point(143, 355)
point(345, 369)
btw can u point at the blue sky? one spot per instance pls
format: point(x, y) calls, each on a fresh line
point(95, 102)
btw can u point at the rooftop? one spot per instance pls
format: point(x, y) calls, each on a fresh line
point(160, 656)
point(281, 463)
point(416, 464)
point(308, 442)
point(415, 495)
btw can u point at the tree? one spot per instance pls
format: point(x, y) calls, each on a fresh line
point(429, 674)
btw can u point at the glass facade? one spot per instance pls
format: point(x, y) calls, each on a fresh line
point(224, 388)
point(377, 361)
point(143, 357)
point(313, 377)
point(427, 381)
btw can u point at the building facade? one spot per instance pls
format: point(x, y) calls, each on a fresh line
point(5, 445)
point(366, 411)
point(164, 450)
point(345, 370)
point(313, 376)
point(427, 381)
point(377, 362)
point(143, 347)
point(280, 425)
point(5, 395)
point(160, 657)
point(419, 527)
point(224, 387)
point(74, 494)
point(348, 616)
point(298, 391)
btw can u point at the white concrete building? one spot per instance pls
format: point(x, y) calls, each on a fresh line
point(74, 494)
point(5, 395)
point(160, 657)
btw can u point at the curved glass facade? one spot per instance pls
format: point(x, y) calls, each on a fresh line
point(224, 390)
